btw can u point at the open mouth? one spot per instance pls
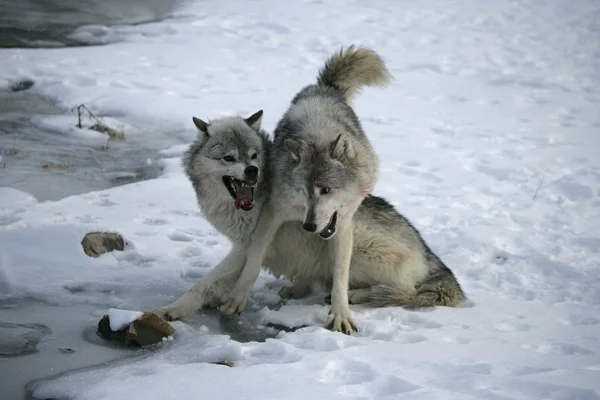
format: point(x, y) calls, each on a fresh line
point(241, 191)
point(330, 228)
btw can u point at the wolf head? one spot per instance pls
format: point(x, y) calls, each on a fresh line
point(323, 177)
point(227, 159)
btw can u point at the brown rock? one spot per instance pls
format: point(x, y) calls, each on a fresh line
point(96, 243)
point(148, 329)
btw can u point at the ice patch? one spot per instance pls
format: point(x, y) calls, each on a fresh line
point(12, 198)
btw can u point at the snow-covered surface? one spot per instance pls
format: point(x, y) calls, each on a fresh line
point(119, 319)
point(488, 138)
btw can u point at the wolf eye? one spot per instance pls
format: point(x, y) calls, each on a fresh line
point(229, 158)
point(254, 156)
point(325, 190)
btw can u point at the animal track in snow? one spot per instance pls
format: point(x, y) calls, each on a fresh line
point(272, 352)
point(103, 202)
point(522, 389)
point(457, 340)
point(86, 219)
point(508, 327)
point(580, 320)
point(416, 321)
point(189, 252)
point(179, 236)
point(192, 273)
point(391, 385)
point(154, 221)
point(410, 338)
point(316, 341)
point(559, 349)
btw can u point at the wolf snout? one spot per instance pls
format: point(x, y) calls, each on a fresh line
point(251, 172)
point(310, 226)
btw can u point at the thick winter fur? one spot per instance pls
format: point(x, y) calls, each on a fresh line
point(323, 166)
point(390, 263)
point(224, 147)
point(351, 69)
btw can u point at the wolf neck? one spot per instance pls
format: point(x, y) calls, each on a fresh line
point(221, 213)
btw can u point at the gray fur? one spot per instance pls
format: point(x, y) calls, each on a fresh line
point(391, 263)
point(319, 138)
point(204, 167)
point(352, 68)
point(323, 165)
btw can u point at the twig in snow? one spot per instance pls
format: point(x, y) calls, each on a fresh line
point(538, 188)
point(98, 126)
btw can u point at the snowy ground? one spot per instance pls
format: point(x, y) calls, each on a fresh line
point(489, 141)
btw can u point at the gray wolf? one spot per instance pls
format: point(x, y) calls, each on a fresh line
point(390, 265)
point(227, 166)
point(322, 166)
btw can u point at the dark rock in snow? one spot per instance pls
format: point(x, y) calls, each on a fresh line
point(21, 85)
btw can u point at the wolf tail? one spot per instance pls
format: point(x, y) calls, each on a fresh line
point(439, 289)
point(352, 68)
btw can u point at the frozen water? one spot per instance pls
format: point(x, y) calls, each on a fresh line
point(488, 140)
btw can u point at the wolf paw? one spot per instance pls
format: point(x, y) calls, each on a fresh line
point(341, 322)
point(296, 291)
point(173, 311)
point(234, 304)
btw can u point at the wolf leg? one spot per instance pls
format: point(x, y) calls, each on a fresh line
point(340, 319)
point(268, 225)
point(212, 285)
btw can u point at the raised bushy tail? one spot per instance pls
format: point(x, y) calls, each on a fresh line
point(439, 289)
point(352, 68)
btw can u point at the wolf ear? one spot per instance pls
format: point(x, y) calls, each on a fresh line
point(295, 147)
point(254, 120)
point(201, 125)
point(341, 147)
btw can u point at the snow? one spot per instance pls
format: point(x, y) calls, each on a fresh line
point(488, 139)
point(120, 319)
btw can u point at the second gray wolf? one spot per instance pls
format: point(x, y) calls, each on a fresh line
point(322, 165)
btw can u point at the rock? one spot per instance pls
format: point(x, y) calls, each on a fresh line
point(67, 350)
point(20, 339)
point(148, 329)
point(225, 363)
point(21, 85)
point(96, 243)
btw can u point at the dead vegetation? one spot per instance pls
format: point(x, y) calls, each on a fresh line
point(98, 125)
point(50, 166)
